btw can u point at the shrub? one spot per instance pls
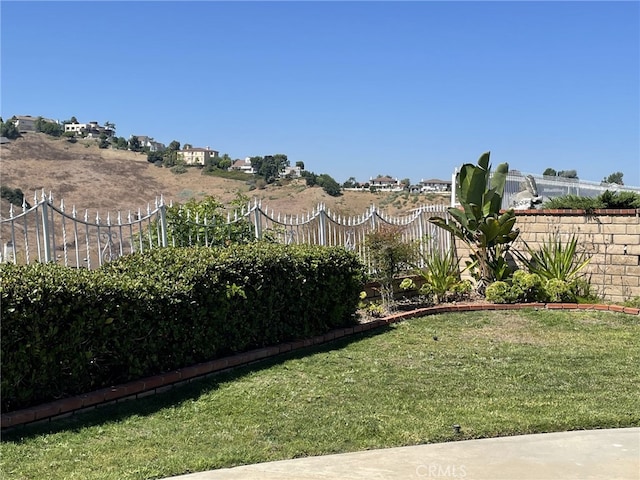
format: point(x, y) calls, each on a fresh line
point(461, 290)
point(14, 196)
point(498, 292)
point(632, 302)
point(529, 286)
point(440, 271)
point(622, 200)
point(389, 255)
point(66, 331)
point(555, 259)
point(573, 202)
point(202, 223)
point(441, 275)
point(559, 291)
point(606, 199)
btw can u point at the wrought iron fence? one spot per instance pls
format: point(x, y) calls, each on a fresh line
point(50, 233)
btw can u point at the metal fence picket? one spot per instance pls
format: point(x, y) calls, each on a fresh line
point(104, 239)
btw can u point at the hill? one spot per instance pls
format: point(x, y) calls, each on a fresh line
point(112, 180)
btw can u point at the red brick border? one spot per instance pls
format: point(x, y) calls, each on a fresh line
point(149, 386)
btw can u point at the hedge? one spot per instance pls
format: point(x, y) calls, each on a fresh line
point(68, 331)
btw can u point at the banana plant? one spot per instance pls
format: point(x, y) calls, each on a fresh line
point(480, 224)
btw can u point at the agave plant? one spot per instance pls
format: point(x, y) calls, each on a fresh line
point(440, 272)
point(556, 260)
point(480, 224)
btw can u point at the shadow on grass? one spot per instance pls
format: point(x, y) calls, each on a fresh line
point(177, 395)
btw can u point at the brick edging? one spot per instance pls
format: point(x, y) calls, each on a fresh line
point(581, 212)
point(163, 382)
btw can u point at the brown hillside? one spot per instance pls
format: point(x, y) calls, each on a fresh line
point(111, 180)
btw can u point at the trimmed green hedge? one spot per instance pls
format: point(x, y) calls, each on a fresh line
point(68, 331)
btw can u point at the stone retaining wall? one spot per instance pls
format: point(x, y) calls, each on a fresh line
point(610, 237)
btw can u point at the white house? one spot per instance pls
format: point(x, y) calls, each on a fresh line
point(435, 185)
point(243, 166)
point(292, 172)
point(386, 184)
point(150, 143)
point(90, 130)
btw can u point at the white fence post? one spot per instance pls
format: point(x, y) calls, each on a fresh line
point(46, 234)
point(162, 212)
point(257, 220)
point(322, 225)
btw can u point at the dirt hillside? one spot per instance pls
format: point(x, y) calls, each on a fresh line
point(112, 180)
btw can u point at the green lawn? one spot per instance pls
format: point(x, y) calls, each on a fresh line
point(493, 373)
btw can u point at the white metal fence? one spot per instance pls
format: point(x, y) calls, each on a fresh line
point(549, 187)
point(49, 233)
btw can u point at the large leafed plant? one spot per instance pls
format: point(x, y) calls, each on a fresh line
point(480, 223)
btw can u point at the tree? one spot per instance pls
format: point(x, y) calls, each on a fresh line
point(614, 178)
point(110, 126)
point(350, 183)
point(281, 161)
point(174, 146)
point(9, 130)
point(134, 144)
point(300, 165)
point(202, 223)
point(48, 128)
point(170, 154)
point(121, 143)
point(104, 142)
point(223, 162)
point(389, 255)
point(311, 178)
point(14, 196)
point(479, 224)
point(405, 182)
point(270, 166)
point(550, 172)
point(329, 185)
point(153, 157)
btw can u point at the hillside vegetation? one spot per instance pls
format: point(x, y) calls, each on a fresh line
point(112, 180)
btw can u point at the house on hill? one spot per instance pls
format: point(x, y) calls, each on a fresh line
point(89, 130)
point(196, 155)
point(291, 172)
point(243, 166)
point(435, 185)
point(386, 184)
point(150, 143)
point(27, 123)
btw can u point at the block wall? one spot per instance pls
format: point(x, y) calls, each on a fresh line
point(610, 237)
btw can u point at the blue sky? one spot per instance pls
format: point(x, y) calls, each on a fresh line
point(410, 89)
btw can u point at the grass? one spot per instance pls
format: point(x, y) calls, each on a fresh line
point(495, 373)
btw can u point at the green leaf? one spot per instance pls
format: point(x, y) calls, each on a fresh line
point(499, 179)
point(483, 161)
